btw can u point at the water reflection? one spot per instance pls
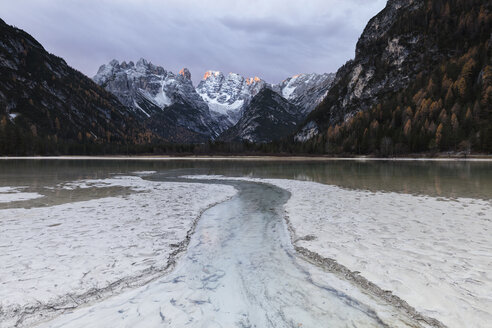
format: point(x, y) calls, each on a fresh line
point(447, 179)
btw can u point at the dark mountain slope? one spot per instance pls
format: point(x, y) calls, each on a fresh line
point(420, 81)
point(268, 117)
point(167, 103)
point(44, 102)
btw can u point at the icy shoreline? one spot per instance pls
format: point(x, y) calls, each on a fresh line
point(11, 194)
point(478, 158)
point(432, 253)
point(57, 258)
point(240, 270)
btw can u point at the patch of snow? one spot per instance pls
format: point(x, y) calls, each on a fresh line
point(309, 131)
point(52, 255)
point(9, 189)
point(105, 72)
point(432, 252)
point(12, 116)
point(160, 98)
point(144, 172)
point(223, 108)
point(137, 106)
point(14, 194)
point(289, 89)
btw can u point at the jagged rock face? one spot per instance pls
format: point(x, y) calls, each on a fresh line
point(185, 73)
point(41, 96)
point(218, 103)
point(268, 117)
point(127, 81)
point(228, 95)
point(385, 62)
point(167, 100)
point(305, 90)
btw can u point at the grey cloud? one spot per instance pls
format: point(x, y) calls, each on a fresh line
point(304, 31)
point(272, 39)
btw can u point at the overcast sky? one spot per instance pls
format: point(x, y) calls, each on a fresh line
point(272, 39)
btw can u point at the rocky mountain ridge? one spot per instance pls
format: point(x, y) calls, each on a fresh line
point(421, 81)
point(216, 104)
point(305, 90)
point(384, 62)
point(158, 95)
point(268, 117)
point(229, 94)
point(46, 104)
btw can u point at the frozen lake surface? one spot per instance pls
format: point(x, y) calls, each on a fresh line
point(92, 244)
point(240, 270)
point(62, 256)
point(432, 252)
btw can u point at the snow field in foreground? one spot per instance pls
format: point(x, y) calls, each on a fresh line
point(434, 253)
point(51, 253)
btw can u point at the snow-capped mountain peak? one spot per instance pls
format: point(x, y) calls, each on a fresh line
point(227, 95)
point(215, 105)
point(305, 90)
point(210, 74)
point(185, 73)
point(125, 80)
point(252, 80)
point(153, 91)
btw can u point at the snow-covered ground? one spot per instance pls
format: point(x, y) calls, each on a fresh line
point(434, 253)
point(14, 194)
point(240, 271)
point(64, 255)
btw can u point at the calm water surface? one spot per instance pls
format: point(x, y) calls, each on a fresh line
point(446, 179)
point(230, 273)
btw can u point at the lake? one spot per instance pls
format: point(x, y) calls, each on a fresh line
point(434, 178)
point(96, 221)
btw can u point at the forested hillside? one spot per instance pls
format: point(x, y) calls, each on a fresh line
point(420, 82)
point(446, 106)
point(47, 107)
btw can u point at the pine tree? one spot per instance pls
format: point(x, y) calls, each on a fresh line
point(439, 135)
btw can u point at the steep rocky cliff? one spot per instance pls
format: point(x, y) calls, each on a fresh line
point(420, 81)
point(228, 95)
point(166, 102)
point(388, 56)
point(172, 108)
point(305, 90)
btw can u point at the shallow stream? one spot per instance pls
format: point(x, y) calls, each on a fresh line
point(240, 270)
